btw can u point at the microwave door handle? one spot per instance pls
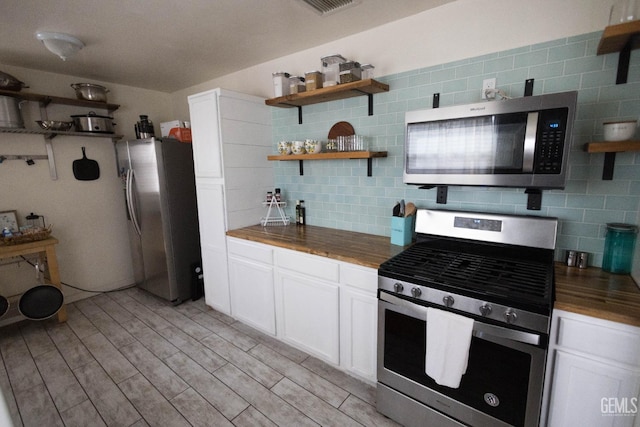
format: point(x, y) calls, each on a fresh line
point(530, 138)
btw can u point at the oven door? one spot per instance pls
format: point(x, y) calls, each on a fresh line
point(503, 382)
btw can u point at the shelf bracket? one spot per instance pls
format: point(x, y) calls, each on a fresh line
point(609, 163)
point(534, 199)
point(369, 166)
point(623, 64)
point(442, 192)
point(53, 173)
point(370, 100)
point(301, 167)
point(299, 114)
point(528, 87)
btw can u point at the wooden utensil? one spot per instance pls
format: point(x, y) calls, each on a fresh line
point(341, 129)
point(410, 209)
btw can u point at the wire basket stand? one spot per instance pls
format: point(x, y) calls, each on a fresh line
point(275, 213)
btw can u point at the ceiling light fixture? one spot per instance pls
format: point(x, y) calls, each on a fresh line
point(63, 45)
point(326, 7)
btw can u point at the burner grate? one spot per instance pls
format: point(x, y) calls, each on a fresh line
point(518, 279)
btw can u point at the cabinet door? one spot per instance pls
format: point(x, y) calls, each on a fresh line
point(587, 392)
point(358, 332)
point(213, 245)
point(205, 132)
point(252, 294)
point(307, 313)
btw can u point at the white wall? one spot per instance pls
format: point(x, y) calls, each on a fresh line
point(88, 217)
point(457, 30)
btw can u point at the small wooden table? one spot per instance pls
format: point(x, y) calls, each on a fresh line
point(46, 251)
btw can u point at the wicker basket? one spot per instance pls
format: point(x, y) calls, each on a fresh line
point(28, 235)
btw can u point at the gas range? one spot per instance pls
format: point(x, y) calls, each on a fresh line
point(495, 267)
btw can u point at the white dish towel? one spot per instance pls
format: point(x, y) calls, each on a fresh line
point(448, 342)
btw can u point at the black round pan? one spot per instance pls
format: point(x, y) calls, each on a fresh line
point(40, 302)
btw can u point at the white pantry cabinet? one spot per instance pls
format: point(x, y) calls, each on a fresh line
point(251, 283)
point(593, 372)
point(231, 135)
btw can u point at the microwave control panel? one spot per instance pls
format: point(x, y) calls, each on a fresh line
point(550, 141)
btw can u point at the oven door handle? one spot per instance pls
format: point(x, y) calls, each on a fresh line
point(480, 329)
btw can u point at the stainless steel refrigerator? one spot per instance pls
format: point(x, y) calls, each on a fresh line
point(160, 198)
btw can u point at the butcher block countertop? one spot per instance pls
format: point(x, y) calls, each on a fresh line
point(589, 291)
point(356, 248)
point(593, 292)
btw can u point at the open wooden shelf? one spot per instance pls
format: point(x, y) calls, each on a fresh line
point(330, 156)
point(48, 99)
point(331, 93)
point(621, 38)
point(49, 134)
point(616, 37)
point(610, 148)
point(367, 87)
point(369, 155)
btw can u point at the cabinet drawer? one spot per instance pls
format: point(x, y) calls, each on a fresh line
point(310, 265)
point(248, 250)
point(608, 341)
point(362, 278)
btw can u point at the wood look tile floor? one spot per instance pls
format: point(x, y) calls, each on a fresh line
point(127, 358)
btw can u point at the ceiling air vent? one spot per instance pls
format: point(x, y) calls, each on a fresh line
point(325, 7)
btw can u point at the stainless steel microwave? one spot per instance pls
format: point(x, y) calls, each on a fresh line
point(521, 142)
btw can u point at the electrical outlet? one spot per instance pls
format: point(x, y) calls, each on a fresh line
point(488, 84)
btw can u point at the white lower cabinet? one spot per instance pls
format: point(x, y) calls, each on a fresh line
point(213, 244)
point(251, 284)
point(358, 320)
point(307, 310)
point(324, 307)
point(593, 372)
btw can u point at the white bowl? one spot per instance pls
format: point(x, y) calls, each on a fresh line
point(298, 147)
point(619, 131)
point(312, 146)
point(284, 147)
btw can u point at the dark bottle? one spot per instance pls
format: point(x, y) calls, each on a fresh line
point(297, 212)
point(303, 215)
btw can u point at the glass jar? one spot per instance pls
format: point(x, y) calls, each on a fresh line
point(618, 248)
point(331, 69)
point(280, 84)
point(296, 84)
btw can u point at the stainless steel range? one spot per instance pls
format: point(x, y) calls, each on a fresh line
point(494, 269)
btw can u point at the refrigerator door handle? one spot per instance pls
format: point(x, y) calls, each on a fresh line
point(131, 203)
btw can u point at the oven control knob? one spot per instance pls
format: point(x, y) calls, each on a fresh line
point(397, 287)
point(416, 292)
point(485, 310)
point(510, 316)
point(448, 300)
